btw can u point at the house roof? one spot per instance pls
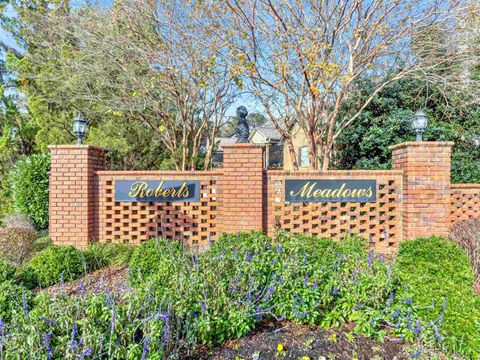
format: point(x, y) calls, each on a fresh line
point(268, 130)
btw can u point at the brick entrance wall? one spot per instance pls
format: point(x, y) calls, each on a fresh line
point(380, 221)
point(414, 199)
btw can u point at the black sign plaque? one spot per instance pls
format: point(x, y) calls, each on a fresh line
point(360, 191)
point(157, 190)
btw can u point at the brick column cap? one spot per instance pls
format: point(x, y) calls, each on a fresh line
point(421, 144)
point(76, 147)
point(245, 145)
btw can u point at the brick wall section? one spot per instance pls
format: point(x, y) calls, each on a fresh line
point(465, 202)
point(134, 222)
point(242, 188)
point(415, 199)
point(426, 187)
point(72, 192)
point(381, 221)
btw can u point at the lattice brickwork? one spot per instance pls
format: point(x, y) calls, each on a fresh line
point(134, 222)
point(380, 221)
point(465, 202)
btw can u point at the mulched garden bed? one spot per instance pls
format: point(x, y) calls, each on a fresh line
point(112, 279)
point(303, 342)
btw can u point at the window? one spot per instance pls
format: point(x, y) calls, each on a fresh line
point(303, 156)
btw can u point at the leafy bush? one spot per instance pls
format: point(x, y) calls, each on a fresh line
point(437, 279)
point(467, 235)
point(55, 264)
point(155, 258)
point(16, 244)
point(7, 270)
point(99, 255)
point(29, 188)
point(95, 326)
point(304, 279)
point(13, 299)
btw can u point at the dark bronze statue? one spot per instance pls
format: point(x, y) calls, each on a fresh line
point(243, 131)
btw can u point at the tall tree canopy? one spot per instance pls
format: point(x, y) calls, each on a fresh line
point(155, 77)
point(303, 59)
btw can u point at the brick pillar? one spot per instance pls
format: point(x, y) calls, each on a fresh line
point(72, 193)
point(242, 188)
point(426, 186)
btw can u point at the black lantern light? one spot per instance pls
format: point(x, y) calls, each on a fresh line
point(419, 124)
point(80, 128)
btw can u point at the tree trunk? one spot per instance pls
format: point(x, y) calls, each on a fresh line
point(326, 156)
point(293, 155)
point(312, 150)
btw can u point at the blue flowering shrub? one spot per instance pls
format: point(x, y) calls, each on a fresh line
point(183, 297)
point(437, 287)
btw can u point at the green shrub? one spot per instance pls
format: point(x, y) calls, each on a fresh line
point(13, 299)
point(159, 259)
point(55, 263)
point(29, 188)
point(42, 242)
point(436, 276)
point(16, 244)
point(100, 255)
point(7, 271)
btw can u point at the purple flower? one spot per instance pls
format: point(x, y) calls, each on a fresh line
point(302, 315)
point(415, 355)
point(74, 336)
point(395, 314)
point(46, 342)
point(24, 300)
point(86, 352)
point(166, 327)
point(82, 289)
point(204, 308)
point(258, 313)
point(305, 282)
point(300, 299)
point(145, 348)
point(370, 258)
point(47, 321)
point(418, 328)
point(444, 307)
point(315, 285)
point(408, 301)
point(335, 291)
point(248, 256)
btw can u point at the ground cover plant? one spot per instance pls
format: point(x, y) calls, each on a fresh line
point(436, 278)
point(182, 297)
